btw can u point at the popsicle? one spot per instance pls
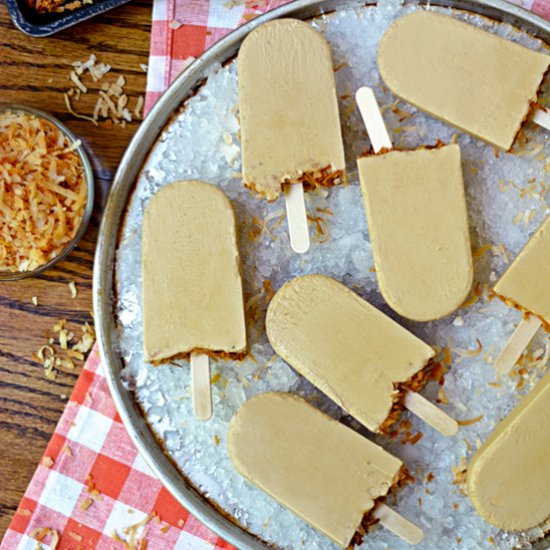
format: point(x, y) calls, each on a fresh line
point(509, 476)
point(525, 285)
point(472, 79)
point(290, 125)
point(418, 223)
point(192, 288)
point(359, 357)
point(320, 469)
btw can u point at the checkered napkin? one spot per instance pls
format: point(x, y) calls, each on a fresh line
point(92, 489)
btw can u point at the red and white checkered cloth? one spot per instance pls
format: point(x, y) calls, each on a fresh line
point(92, 485)
point(184, 29)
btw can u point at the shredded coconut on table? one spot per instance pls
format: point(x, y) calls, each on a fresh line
point(112, 103)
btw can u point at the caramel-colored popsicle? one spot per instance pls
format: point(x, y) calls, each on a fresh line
point(290, 124)
point(350, 350)
point(418, 227)
point(526, 283)
point(509, 476)
point(320, 469)
point(463, 75)
point(192, 288)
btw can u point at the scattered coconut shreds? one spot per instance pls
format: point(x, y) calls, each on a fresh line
point(40, 533)
point(85, 504)
point(133, 541)
point(85, 344)
point(59, 325)
point(63, 338)
point(111, 102)
point(74, 113)
point(143, 67)
point(442, 396)
point(74, 78)
point(470, 421)
point(47, 359)
point(500, 250)
point(50, 374)
point(459, 475)
point(72, 289)
point(76, 536)
point(34, 300)
point(46, 355)
point(138, 109)
point(75, 354)
point(44, 191)
point(469, 352)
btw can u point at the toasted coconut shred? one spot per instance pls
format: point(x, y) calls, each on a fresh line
point(42, 191)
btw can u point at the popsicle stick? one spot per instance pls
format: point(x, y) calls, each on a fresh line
point(200, 386)
point(431, 414)
point(397, 524)
point(542, 118)
point(297, 217)
point(517, 343)
point(372, 119)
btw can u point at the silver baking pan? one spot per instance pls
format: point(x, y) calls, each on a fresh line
point(185, 86)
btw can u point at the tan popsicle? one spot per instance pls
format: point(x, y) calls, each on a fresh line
point(509, 476)
point(192, 288)
point(525, 285)
point(351, 351)
point(480, 83)
point(290, 124)
point(418, 223)
point(320, 469)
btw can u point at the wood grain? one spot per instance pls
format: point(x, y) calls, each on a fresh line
point(34, 71)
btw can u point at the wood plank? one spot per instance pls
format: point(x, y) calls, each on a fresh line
point(35, 72)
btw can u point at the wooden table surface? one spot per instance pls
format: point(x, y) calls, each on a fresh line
point(34, 71)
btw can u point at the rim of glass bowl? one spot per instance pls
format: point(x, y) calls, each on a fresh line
point(89, 176)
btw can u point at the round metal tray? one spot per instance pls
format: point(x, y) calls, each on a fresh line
point(123, 183)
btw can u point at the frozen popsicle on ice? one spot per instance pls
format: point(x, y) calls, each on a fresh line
point(525, 285)
point(359, 357)
point(509, 476)
point(192, 289)
point(463, 75)
point(320, 469)
point(290, 125)
point(418, 222)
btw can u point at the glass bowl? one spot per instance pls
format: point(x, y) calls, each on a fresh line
point(88, 175)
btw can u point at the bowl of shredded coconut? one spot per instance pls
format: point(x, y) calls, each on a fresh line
point(46, 191)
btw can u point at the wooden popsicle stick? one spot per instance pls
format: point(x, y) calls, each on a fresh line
point(431, 414)
point(372, 119)
point(542, 118)
point(200, 386)
point(517, 343)
point(297, 217)
point(398, 525)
